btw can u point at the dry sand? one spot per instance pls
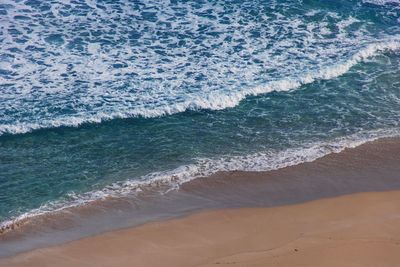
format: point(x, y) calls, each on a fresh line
point(353, 230)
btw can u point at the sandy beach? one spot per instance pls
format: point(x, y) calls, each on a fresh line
point(353, 230)
point(340, 210)
point(199, 133)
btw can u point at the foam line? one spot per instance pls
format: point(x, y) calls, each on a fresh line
point(263, 161)
point(214, 100)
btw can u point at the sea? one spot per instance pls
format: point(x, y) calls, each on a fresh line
point(104, 98)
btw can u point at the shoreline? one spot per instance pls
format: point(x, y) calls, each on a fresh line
point(173, 179)
point(350, 171)
point(351, 230)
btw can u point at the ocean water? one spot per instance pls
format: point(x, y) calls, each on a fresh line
point(103, 98)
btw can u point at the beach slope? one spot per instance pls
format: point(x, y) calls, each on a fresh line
point(353, 230)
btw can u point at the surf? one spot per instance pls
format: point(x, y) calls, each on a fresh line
point(214, 100)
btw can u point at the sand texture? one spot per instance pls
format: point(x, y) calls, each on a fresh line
point(352, 230)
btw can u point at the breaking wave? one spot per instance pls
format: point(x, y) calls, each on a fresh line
point(214, 100)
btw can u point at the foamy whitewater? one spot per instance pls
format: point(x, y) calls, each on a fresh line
point(102, 98)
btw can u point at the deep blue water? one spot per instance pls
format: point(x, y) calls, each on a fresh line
point(100, 98)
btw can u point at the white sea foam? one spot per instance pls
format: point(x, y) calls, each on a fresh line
point(381, 2)
point(69, 63)
point(214, 100)
point(172, 179)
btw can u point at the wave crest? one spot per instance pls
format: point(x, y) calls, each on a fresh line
point(214, 100)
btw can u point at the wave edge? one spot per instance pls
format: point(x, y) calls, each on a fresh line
point(262, 161)
point(214, 100)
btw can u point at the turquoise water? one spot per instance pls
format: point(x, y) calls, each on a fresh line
point(102, 98)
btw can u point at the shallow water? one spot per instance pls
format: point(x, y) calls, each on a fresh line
point(370, 167)
point(100, 98)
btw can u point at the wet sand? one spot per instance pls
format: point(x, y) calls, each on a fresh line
point(371, 167)
point(352, 230)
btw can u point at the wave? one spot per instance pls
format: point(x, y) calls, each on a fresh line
point(214, 100)
point(172, 179)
